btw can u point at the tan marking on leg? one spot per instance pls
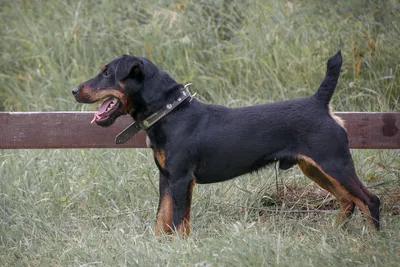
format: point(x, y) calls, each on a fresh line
point(164, 216)
point(364, 209)
point(312, 170)
point(160, 157)
point(346, 209)
point(184, 228)
point(338, 119)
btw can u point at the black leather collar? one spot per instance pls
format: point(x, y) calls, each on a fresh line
point(136, 126)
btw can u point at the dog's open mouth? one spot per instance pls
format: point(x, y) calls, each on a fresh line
point(108, 108)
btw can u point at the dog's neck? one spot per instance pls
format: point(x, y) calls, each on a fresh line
point(161, 131)
point(176, 102)
point(146, 106)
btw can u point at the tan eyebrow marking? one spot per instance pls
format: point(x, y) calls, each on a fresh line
point(103, 68)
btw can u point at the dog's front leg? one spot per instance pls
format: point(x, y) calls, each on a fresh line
point(165, 210)
point(182, 191)
point(174, 205)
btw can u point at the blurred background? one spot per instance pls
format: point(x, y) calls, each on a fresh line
point(96, 207)
point(234, 52)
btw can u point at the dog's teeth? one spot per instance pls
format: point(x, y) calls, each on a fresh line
point(111, 105)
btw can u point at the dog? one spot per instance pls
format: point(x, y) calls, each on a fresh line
point(197, 143)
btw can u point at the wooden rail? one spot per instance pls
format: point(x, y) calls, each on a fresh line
point(22, 130)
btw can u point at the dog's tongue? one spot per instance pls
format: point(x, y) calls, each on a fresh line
point(102, 109)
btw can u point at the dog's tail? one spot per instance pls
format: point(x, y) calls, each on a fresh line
point(327, 87)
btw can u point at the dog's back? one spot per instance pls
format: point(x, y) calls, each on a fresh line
point(267, 133)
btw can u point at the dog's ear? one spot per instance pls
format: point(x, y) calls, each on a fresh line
point(130, 71)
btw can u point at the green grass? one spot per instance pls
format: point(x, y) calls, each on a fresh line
point(97, 207)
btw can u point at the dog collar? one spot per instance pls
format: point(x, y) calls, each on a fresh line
point(136, 126)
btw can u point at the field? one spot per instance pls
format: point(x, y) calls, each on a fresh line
point(97, 207)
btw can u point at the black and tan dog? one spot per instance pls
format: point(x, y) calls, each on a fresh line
point(201, 143)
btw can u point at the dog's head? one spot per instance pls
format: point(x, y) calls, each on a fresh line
point(128, 85)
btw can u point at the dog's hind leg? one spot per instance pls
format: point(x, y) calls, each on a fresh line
point(314, 173)
point(345, 185)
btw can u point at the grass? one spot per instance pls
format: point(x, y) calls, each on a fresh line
point(97, 207)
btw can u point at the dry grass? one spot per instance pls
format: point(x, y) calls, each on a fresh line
point(97, 207)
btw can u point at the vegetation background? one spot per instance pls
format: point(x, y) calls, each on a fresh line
point(97, 207)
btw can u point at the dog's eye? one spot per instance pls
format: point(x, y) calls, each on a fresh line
point(105, 73)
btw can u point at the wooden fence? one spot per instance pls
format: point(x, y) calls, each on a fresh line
point(29, 130)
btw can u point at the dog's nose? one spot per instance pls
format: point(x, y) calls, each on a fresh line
point(75, 90)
